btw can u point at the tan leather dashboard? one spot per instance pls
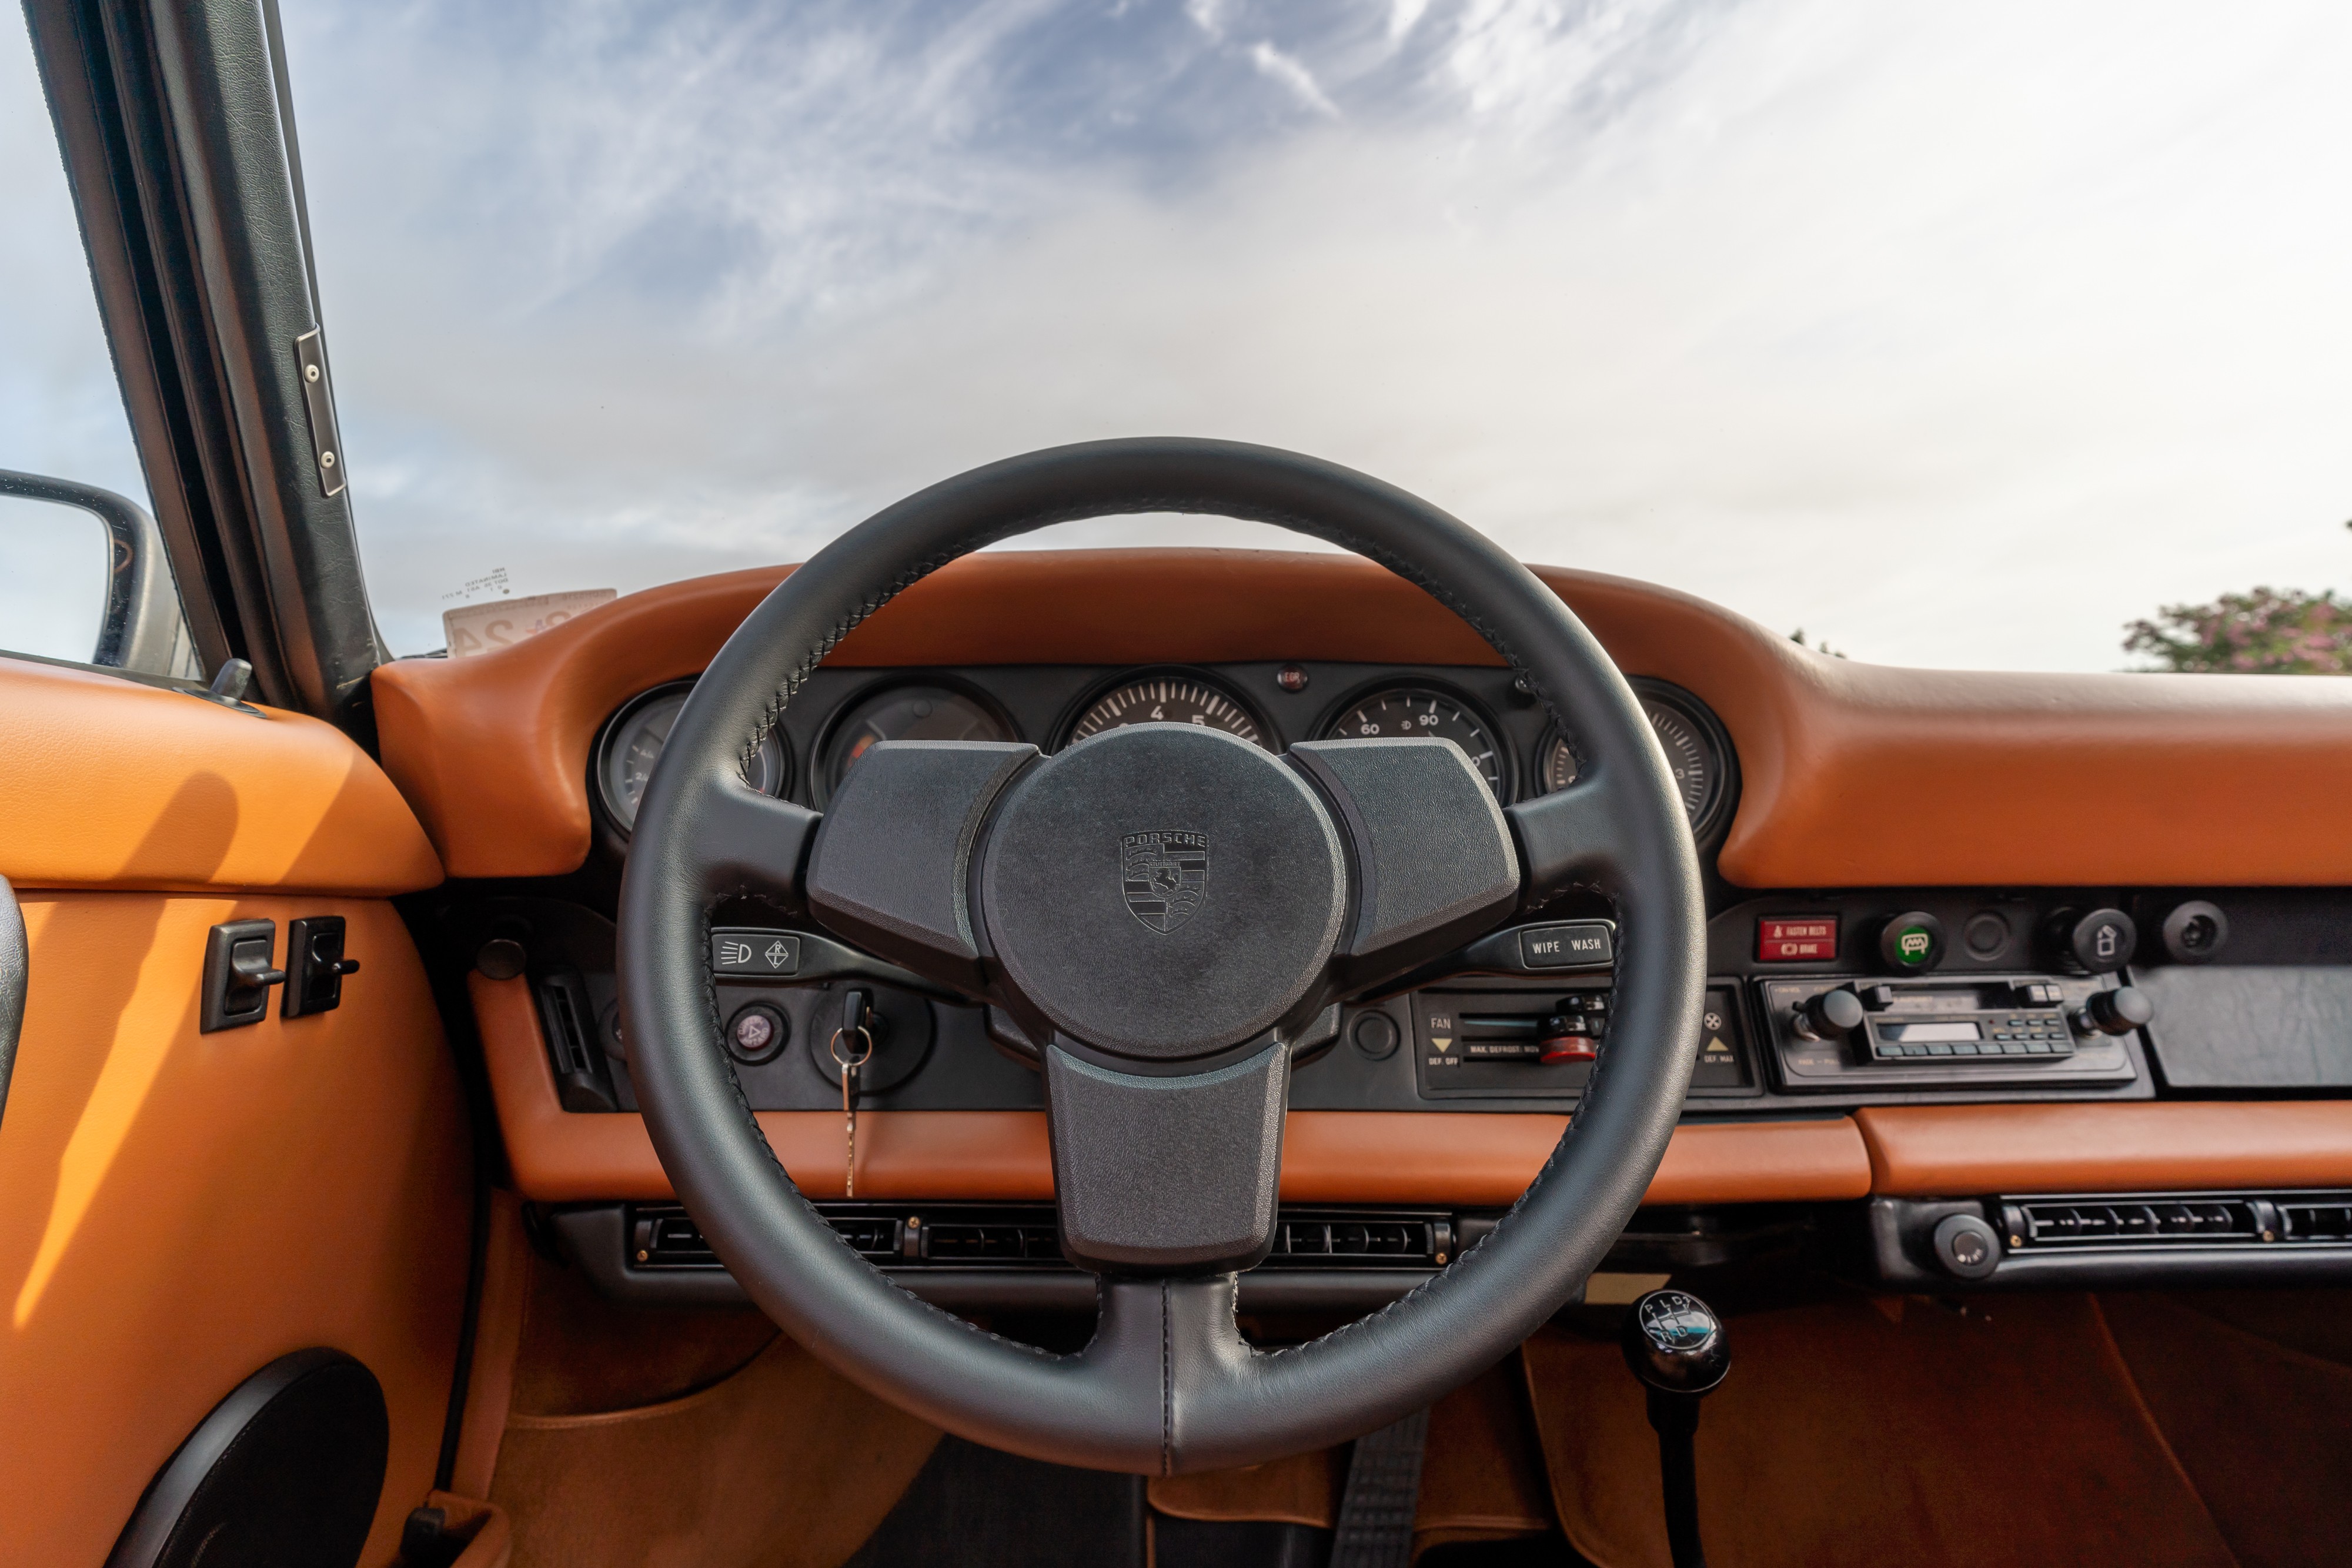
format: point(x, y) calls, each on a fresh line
point(1425, 1156)
point(247, 802)
point(1852, 774)
point(1931, 1151)
point(1352, 1156)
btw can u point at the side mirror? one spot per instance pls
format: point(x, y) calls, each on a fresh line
point(141, 626)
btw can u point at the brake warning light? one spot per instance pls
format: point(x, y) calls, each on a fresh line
point(1796, 939)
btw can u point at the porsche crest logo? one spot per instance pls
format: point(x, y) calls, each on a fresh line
point(1164, 875)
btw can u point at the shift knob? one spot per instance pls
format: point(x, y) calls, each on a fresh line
point(1674, 1343)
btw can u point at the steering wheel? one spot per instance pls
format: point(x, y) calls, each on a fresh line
point(1165, 911)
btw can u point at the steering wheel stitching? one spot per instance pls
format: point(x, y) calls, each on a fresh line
point(1258, 892)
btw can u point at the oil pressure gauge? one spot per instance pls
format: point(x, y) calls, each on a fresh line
point(1698, 753)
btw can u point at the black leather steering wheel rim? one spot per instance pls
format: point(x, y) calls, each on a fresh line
point(1168, 1386)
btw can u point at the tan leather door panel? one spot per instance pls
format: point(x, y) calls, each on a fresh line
point(179, 1208)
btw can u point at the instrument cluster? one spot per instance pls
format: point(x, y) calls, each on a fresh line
point(841, 714)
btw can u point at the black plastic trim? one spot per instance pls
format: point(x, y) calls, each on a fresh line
point(596, 1237)
point(177, 146)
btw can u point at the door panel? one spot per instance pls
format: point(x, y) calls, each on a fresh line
point(178, 1209)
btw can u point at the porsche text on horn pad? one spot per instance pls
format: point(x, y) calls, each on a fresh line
point(1165, 875)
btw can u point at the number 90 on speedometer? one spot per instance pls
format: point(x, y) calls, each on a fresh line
point(1395, 711)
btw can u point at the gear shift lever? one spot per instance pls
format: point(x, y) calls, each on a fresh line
point(1675, 1345)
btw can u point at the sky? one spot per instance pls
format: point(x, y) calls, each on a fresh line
point(1957, 336)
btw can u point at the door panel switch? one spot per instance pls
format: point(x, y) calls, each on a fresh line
point(238, 974)
point(315, 966)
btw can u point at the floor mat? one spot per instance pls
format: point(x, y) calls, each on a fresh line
point(972, 1507)
point(1864, 1434)
point(783, 1465)
point(2264, 1429)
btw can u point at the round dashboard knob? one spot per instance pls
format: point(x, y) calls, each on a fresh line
point(2118, 1011)
point(2098, 942)
point(2195, 931)
point(1832, 1014)
point(1966, 1246)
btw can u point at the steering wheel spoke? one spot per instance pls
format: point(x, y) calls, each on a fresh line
point(892, 864)
point(1572, 837)
point(1432, 857)
point(741, 843)
point(1166, 1175)
point(1175, 1342)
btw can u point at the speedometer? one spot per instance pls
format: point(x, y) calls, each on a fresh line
point(1424, 710)
point(1175, 698)
point(1696, 757)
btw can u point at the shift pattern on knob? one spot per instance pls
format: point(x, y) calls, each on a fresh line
point(1674, 1343)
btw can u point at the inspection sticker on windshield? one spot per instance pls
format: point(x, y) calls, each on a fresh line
point(486, 628)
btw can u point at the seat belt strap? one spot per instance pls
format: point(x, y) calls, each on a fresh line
point(1383, 1493)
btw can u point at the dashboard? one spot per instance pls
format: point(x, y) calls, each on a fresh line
point(1981, 948)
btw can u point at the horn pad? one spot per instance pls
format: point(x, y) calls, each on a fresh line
point(1163, 891)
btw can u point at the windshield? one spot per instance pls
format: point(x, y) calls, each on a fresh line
point(1960, 336)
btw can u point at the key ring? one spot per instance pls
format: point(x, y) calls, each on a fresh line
point(864, 1056)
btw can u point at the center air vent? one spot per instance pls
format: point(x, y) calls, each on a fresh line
point(1361, 1241)
point(2104, 1222)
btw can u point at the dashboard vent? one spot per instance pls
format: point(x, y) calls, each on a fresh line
point(665, 1236)
point(991, 1240)
point(565, 1015)
point(1362, 1241)
point(1026, 1236)
point(2107, 1221)
point(2316, 1217)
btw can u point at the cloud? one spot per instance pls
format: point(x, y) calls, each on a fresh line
point(1960, 337)
point(1272, 63)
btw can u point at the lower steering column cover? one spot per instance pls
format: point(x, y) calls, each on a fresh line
point(1167, 1385)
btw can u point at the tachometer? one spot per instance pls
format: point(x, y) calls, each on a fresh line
point(632, 743)
point(906, 713)
point(1429, 711)
point(1168, 699)
point(1693, 757)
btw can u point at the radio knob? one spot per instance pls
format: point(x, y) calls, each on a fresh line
point(2118, 1011)
point(1829, 1016)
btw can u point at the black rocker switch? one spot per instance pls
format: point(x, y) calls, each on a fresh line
point(1675, 1345)
point(237, 974)
point(315, 966)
